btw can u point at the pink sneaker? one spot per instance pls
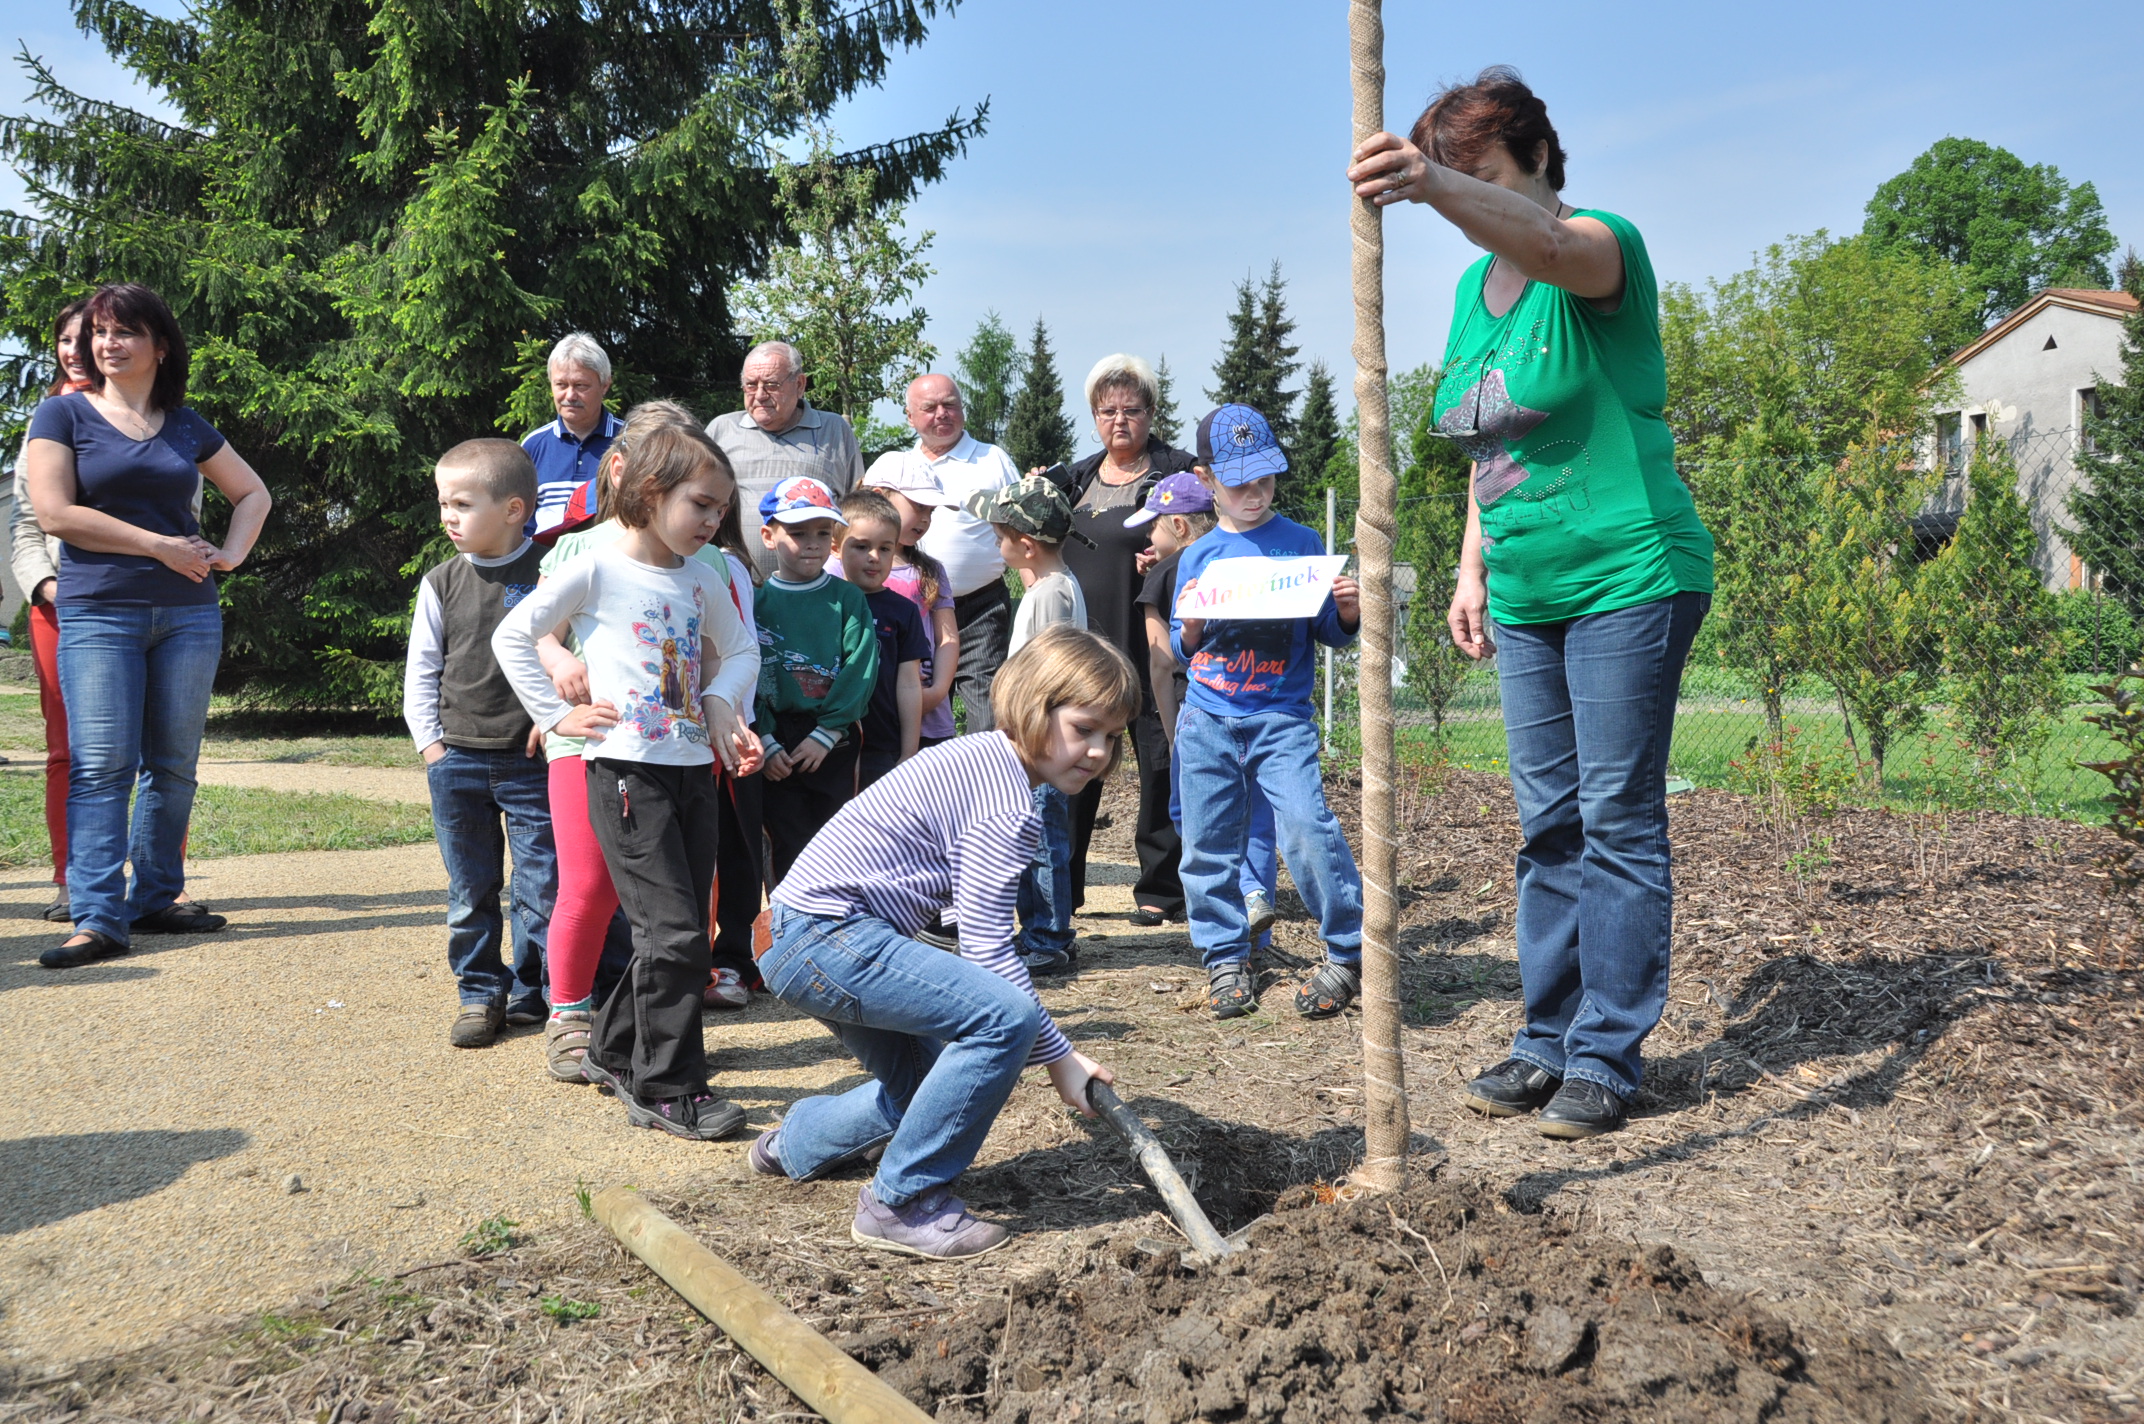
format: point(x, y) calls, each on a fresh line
point(936, 1226)
point(727, 991)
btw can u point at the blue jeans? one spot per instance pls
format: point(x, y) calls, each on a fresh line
point(1260, 872)
point(136, 681)
point(1589, 708)
point(943, 1039)
point(1046, 886)
point(1223, 759)
point(472, 794)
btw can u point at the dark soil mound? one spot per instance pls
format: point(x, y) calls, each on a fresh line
point(1433, 1305)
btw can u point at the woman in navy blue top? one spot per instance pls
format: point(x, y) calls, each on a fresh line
point(113, 472)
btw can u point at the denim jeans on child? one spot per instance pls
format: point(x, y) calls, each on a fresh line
point(1223, 758)
point(136, 682)
point(1261, 851)
point(472, 794)
point(1046, 888)
point(1589, 708)
point(943, 1039)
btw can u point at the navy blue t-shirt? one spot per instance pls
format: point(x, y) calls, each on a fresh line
point(147, 483)
point(901, 639)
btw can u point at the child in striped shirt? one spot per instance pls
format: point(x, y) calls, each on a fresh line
point(943, 1036)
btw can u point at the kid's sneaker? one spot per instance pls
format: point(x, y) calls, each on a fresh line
point(702, 1117)
point(936, 1226)
point(727, 991)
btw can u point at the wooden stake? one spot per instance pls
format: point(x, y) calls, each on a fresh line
point(1385, 1132)
point(843, 1391)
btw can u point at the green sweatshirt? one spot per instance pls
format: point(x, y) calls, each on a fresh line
point(818, 660)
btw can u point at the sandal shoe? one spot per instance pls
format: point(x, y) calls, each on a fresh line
point(95, 945)
point(565, 1044)
point(182, 917)
point(61, 910)
point(1229, 990)
point(1328, 991)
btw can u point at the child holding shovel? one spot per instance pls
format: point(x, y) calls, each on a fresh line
point(943, 1036)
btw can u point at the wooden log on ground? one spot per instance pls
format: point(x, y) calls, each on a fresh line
point(800, 1357)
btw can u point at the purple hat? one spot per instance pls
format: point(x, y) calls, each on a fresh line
point(798, 500)
point(1181, 493)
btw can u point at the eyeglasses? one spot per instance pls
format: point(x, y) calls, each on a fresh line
point(765, 387)
point(1114, 412)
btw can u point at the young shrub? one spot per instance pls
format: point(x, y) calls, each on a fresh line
point(2001, 629)
point(2123, 720)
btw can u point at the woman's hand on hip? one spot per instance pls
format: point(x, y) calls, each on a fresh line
point(1388, 169)
point(187, 555)
point(1469, 618)
point(1070, 1075)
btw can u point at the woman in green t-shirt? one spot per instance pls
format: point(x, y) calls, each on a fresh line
point(1585, 559)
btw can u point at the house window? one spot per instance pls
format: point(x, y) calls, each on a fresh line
point(2087, 408)
point(1950, 450)
point(1979, 419)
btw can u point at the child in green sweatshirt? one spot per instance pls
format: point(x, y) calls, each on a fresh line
point(818, 651)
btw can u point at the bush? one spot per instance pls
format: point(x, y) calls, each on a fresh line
point(2102, 635)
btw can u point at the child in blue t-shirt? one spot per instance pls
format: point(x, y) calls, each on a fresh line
point(1247, 720)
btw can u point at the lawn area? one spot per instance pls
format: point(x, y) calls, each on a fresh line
point(1719, 717)
point(229, 820)
point(323, 738)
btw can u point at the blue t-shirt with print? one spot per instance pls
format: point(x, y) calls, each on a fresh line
point(149, 484)
point(1245, 666)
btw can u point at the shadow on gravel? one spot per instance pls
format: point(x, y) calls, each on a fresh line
point(52, 1178)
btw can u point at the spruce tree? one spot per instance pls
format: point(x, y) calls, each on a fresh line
point(1037, 432)
point(374, 220)
point(2108, 503)
point(1166, 420)
point(1317, 435)
point(2001, 629)
point(1258, 360)
point(987, 365)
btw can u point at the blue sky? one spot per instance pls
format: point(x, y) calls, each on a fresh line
point(1142, 159)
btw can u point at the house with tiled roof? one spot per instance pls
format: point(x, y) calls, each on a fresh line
point(2030, 379)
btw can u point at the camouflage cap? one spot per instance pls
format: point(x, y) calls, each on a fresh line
point(1033, 506)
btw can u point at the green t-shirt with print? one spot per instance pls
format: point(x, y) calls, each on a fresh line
point(1560, 405)
point(573, 545)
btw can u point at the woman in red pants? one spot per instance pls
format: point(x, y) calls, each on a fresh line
point(36, 559)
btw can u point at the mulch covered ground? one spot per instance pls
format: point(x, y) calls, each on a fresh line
point(1886, 1166)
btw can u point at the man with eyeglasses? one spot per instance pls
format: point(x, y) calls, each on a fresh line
point(956, 462)
point(778, 436)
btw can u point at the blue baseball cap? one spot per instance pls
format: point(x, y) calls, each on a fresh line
point(1181, 493)
point(1237, 444)
point(798, 500)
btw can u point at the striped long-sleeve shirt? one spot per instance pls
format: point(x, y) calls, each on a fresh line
point(954, 826)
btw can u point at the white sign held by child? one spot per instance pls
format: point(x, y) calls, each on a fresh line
point(1261, 587)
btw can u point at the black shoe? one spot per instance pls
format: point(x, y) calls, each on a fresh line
point(605, 1080)
point(702, 1117)
point(1512, 1087)
point(1582, 1109)
point(61, 910)
point(94, 946)
point(1230, 992)
point(1146, 917)
point(185, 917)
point(939, 936)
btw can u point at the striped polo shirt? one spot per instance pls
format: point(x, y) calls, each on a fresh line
point(952, 826)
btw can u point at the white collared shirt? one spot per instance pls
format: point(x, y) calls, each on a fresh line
point(964, 544)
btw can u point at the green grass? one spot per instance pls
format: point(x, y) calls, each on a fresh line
point(322, 738)
point(1923, 771)
point(230, 820)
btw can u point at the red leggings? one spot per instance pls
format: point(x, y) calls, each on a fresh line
point(586, 898)
point(45, 652)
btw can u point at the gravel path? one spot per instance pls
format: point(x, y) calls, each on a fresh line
point(373, 783)
point(160, 1102)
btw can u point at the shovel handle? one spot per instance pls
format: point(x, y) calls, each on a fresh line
point(1154, 1160)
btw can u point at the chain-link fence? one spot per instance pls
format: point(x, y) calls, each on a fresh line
point(1917, 624)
